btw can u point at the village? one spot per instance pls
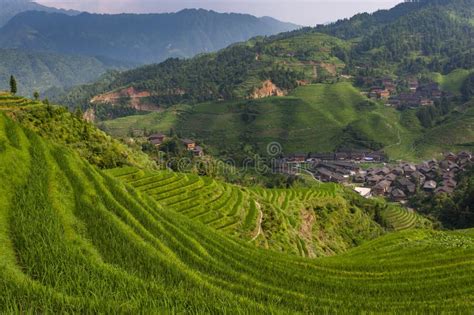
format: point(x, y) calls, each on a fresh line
point(158, 139)
point(404, 94)
point(396, 182)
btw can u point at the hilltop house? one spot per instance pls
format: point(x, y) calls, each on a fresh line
point(190, 144)
point(157, 139)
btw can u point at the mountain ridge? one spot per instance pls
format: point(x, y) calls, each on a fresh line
point(141, 38)
point(10, 8)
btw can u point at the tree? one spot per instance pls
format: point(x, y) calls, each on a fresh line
point(36, 95)
point(467, 88)
point(13, 86)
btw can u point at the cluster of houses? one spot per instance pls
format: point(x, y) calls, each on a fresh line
point(158, 139)
point(397, 182)
point(417, 95)
point(356, 155)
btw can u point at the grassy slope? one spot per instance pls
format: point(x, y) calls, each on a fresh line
point(291, 221)
point(456, 133)
point(59, 125)
point(74, 239)
point(310, 119)
point(453, 81)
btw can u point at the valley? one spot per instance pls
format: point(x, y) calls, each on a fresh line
point(110, 245)
point(222, 163)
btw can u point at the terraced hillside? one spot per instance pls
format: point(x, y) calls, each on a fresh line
point(59, 125)
point(290, 221)
point(9, 102)
point(402, 219)
point(319, 117)
point(74, 239)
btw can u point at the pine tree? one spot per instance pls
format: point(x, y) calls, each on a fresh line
point(13, 87)
point(36, 95)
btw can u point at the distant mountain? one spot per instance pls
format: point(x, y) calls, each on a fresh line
point(41, 71)
point(143, 38)
point(10, 8)
point(423, 40)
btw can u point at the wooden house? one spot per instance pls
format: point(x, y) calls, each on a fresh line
point(190, 144)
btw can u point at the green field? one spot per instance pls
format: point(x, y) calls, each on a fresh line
point(453, 81)
point(312, 119)
point(77, 240)
point(456, 134)
point(278, 219)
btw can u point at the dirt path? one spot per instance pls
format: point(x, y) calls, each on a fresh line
point(259, 222)
point(399, 140)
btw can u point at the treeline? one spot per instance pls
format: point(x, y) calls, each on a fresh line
point(429, 115)
point(467, 88)
point(204, 78)
point(454, 211)
point(282, 77)
point(432, 33)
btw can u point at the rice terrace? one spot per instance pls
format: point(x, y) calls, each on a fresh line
point(220, 163)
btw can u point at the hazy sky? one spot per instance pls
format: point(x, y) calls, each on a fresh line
point(303, 12)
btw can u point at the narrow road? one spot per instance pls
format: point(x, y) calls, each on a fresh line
point(259, 223)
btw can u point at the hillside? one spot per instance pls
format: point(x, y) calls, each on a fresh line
point(412, 39)
point(40, 71)
point(284, 220)
point(295, 88)
point(10, 8)
point(60, 126)
point(78, 240)
point(313, 118)
point(256, 69)
point(137, 38)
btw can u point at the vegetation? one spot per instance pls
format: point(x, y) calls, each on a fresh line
point(60, 126)
point(323, 112)
point(183, 34)
point(453, 211)
point(284, 220)
point(77, 240)
point(10, 8)
point(314, 118)
point(467, 88)
point(232, 73)
point(13, 86)
point(42, 71)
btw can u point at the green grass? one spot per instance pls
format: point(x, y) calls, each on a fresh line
point(453, 81)
point(313, 118)
point(455, 134)
point(309, 120)
point(76, 240)
point(399, 218)
point(60, 126)
point(237, 211)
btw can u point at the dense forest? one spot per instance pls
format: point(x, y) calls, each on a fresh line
point(183, 34)
point(411, 39)
point(41, 71)
point(453, 211)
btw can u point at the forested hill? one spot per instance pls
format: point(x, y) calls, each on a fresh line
point(142, 38)
point(10, 8)
point(410, 39)
point(40, 71)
